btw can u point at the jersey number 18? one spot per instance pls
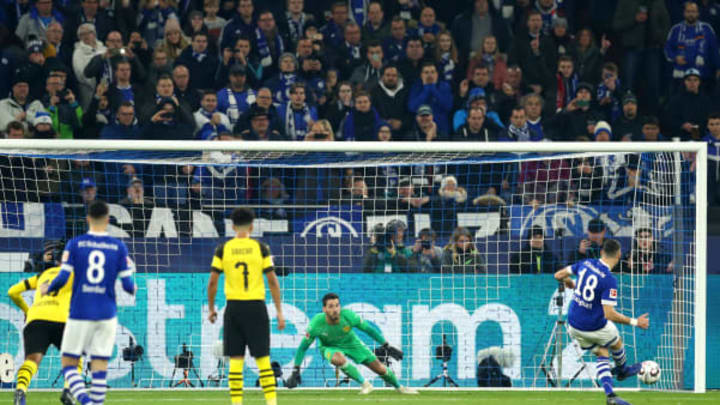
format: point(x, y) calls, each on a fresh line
point(586, 286)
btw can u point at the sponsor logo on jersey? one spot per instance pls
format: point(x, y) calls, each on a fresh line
point(613, 293)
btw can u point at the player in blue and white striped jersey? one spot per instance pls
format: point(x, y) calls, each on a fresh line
point(591, 315)
point(96, 260)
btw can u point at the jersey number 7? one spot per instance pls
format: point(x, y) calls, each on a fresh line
point(245, 272)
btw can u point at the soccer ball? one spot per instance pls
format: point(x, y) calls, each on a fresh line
point(649, 372)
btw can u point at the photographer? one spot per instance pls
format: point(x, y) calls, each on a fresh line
point(64, 109)
point(102, 65)
point(461, 256)
point(167, 123)
point(384, 255)
point(426, 257)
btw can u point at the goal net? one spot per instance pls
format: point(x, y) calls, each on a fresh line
point(449, 250)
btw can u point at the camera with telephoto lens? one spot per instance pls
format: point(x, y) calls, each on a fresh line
point(381, 237)
point(184, 360)
point(133, 352)
point(36, 262)
point(426, 244)
point(444, 351)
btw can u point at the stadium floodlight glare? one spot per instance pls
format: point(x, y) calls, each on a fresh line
point(317, 204)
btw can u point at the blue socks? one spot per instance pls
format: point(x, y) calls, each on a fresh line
point(76, 385)
point(99, 387)
point(604, 375)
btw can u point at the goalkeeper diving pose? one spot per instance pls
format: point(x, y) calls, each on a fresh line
point(334, 329)
point(44, 320)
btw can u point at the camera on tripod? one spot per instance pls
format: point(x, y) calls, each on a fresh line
point(184, 360)
point(133, 352)
point(443, 352)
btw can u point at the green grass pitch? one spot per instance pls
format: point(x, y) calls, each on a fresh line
point(350, 397)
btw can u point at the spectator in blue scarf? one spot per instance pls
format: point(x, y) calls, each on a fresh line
point(363, 121)
point(268, 43)
point(296, 115)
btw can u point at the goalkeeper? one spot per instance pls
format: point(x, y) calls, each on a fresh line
point(334, 328)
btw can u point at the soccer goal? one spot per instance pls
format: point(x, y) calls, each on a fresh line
point(447, 248)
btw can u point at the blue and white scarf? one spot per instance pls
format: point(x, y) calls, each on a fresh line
point(263, 47)
point(422, 30)
point(297, 122)
point(233, 110)
point(199, 56)
point(358, 11)
point(447, 67)
point(296, 28)
point(282, 92)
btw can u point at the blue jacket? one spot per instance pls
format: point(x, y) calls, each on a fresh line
point(460, 118)
point(119, 131)
point(698, 44)
point(438, 96)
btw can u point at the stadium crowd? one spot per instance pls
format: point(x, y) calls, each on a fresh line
point(357, 70)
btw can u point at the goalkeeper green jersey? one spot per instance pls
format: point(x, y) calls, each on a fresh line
point(340, 335)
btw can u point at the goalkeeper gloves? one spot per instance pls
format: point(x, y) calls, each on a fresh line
point(294, 379)
point(393, 352)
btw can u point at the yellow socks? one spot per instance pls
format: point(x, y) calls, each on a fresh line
point(235, 381)
point(25, 374)
point(267, 380)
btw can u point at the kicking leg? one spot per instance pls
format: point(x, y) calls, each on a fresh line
point(621, 370)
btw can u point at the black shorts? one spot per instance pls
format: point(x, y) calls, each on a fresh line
point(39, 335)
point(246, 324)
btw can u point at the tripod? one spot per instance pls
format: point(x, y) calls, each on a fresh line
point(443, 353)
point(217, 379)
point(554, 347)
point(186, 378)
point(184, 361)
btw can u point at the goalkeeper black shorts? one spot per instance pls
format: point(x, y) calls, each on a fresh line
point(246, 324)
point(39, 335)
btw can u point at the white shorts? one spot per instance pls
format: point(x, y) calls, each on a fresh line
point(604, 337)
point(95, 338)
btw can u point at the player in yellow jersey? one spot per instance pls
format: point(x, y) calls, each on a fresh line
point(44, 320)
point(244, 260)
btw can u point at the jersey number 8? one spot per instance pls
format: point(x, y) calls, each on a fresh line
point(586, 290)
point(95, 270)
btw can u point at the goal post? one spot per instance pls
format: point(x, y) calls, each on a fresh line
point(321, 242)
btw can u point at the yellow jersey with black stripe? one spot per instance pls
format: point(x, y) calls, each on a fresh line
point(54, 307)
point(244, 261)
